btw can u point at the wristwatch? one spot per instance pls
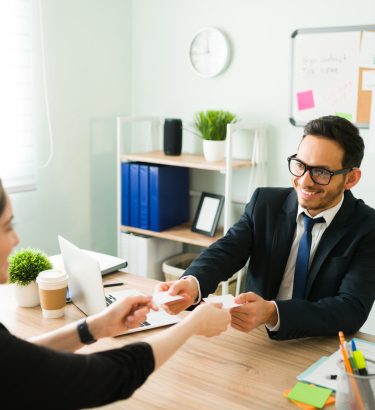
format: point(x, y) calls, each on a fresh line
point(84, 333)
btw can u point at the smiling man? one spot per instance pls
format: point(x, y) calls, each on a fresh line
point(311, 247)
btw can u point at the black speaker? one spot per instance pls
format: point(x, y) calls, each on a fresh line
point(172, 136)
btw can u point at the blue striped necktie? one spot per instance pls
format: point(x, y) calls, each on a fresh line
point(302, 262)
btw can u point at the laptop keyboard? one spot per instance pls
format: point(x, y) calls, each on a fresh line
point(109, 299)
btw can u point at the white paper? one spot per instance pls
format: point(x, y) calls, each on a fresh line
point(371, 134)
point(164, 297)
point(227, 301)
point(368, 80)
point(367, 56)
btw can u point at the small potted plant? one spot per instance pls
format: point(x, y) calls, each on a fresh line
point(24, 267)
point(212, 126)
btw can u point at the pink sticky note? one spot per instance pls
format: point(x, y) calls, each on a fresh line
point(305, 100)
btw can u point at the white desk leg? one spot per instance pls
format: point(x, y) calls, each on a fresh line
point(239, 279)
point(225, 287)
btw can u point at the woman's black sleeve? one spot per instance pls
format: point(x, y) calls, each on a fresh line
point(38, 377)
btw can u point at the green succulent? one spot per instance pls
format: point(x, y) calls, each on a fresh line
point(212, 124)
point(26, 264)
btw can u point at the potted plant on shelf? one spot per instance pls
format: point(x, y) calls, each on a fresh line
point(212, 126)
point(24, 267)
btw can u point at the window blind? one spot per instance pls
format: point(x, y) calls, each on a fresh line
point(17, 119)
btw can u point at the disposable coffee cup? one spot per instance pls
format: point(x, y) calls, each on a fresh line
point(52, 286)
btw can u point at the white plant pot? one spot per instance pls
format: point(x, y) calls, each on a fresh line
point(213, 150)
point(27, 296)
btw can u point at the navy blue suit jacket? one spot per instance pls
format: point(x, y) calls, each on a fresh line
point(341, 283)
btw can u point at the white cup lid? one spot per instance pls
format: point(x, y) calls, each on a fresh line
point(51, 276)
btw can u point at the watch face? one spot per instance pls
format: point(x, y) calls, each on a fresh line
point(209, 52)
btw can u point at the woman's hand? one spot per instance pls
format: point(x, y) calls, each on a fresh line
point(121, 316)
point(210, 319)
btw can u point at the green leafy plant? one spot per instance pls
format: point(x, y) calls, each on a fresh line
point(26, 264)
point(212, 124)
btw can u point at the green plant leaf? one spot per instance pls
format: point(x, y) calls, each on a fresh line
point(26, 264)
point(212, 124)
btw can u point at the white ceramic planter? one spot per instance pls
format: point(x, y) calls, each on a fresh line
point(27, 296)
point(213, 150)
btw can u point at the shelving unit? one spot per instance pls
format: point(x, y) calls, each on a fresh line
point(182, 233)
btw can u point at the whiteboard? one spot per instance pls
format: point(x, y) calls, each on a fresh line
point(330, 68)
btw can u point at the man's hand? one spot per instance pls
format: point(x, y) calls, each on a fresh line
point(185, 287)
point(254, 312)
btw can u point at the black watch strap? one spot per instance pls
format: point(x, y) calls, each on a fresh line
point(84, 333)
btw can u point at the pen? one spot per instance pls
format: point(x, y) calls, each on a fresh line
point(334, 376)
point(351, 358)
point(344, 353)
point(109, 285)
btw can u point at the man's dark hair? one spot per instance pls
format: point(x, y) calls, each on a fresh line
point(3, 198)
point(343, 132)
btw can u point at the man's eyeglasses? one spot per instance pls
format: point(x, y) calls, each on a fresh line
point(319, 175)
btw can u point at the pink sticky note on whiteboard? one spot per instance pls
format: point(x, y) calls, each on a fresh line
point(305, 100)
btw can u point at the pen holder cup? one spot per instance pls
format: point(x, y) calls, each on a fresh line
point(355, 392)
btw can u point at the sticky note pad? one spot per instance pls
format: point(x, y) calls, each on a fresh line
point(310, 394)
point(305, 100)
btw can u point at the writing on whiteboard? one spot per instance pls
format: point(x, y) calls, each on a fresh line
point(326, 65)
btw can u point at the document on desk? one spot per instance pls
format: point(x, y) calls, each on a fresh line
point(319, 372)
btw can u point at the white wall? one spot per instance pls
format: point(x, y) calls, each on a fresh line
point(87, 45)
point(256, 85)
point(117, 57)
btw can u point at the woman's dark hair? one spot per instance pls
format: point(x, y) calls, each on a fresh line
point(343, 132)
point(3, 198)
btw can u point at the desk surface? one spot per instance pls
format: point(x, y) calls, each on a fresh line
point(232, 371)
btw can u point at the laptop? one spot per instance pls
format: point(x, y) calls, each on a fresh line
point(87, 292)
point(107, 263)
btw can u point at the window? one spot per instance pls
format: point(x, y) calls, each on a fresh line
point(17, 119)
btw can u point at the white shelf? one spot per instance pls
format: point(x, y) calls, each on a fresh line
point(183, 233)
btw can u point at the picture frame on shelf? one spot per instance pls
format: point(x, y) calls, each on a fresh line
point(208, 213)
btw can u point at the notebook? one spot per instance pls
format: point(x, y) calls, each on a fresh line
point(87, 292)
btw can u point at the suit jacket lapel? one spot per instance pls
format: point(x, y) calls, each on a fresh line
point(282, 242)
point(330, 237)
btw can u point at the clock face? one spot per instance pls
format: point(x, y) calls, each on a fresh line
point(209, 52)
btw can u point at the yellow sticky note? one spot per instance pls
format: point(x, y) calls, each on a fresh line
point(313, 395)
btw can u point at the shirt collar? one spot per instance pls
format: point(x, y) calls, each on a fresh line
point(328, 214)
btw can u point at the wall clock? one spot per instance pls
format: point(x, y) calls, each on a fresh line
point(209, 52)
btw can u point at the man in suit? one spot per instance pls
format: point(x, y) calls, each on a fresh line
point(298, 283)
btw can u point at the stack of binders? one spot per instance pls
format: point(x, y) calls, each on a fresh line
point(154, 197)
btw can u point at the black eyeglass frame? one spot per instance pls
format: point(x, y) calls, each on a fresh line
point(309, 168)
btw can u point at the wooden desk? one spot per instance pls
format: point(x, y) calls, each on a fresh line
point(229, 372)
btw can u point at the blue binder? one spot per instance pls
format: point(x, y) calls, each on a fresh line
point(125, 193)
point(144, 197)
point(134, 195)
point(169, 196)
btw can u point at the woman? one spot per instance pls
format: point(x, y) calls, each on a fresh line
point(44, 373)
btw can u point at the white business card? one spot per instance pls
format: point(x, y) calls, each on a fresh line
point(227, 301)
point(160, 298)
